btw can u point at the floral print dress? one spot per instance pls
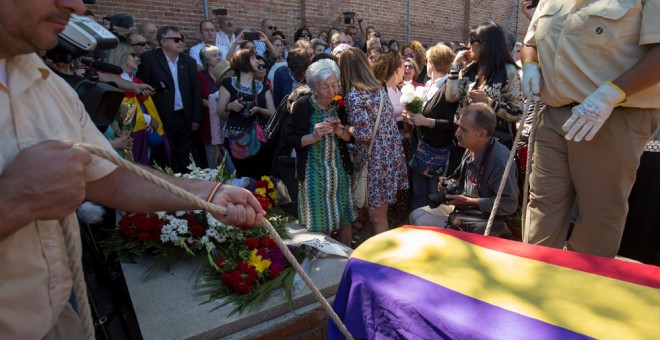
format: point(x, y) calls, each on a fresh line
point(387, 166)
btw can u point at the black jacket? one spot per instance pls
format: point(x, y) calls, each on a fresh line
point(154, 69)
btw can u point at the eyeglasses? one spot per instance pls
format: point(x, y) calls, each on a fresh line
point(305, 35)
point(176, 39)
point(408, 67)
point(272, 28)
point(261, 66)
point(141, 44)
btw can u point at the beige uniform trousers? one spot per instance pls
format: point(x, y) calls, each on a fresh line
point(599, 174)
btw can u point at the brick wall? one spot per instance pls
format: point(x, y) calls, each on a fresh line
point(431, 21)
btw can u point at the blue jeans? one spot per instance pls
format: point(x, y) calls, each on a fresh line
point(422, 187)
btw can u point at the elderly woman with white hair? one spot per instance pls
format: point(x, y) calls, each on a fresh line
point(316, 131)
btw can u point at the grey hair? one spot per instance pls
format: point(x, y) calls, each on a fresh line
point(319, 71)
point(118, 55)
point(484, 117)
point(205, 53)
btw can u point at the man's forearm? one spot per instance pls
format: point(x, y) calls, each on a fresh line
point(14, 214)
point(126, 191)
point(642, 75)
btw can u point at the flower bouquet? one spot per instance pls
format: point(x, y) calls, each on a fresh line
point(239, 263)
point(413, 98)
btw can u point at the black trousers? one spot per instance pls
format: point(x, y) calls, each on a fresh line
point(180, 137)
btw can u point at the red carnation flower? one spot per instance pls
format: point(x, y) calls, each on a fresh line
point(196, 230)
point(268, 243)
point(274, 272)
point(219, 261)
point(142, 237)
point(252, 242)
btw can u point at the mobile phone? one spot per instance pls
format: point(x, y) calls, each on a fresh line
point(534, 4)
point(251, 35)
point(162, 87)
point(348, 18)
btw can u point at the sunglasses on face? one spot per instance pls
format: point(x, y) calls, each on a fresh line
point(261, 66)
point(272, 28)
point(175, 39)
point(141, 44)
point(408, 67)
point(305, 35)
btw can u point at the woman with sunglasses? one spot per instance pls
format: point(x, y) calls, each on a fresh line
point(262, 72)
point(491, 77)
point(411, 70)
point(147, 141)
point(302, 33)
point(247, 104)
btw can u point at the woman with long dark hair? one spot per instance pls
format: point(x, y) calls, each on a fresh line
point(491, 77)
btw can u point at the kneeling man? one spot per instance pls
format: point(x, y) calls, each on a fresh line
point(478, 177)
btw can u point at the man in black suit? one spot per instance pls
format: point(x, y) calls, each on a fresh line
point(178, 95)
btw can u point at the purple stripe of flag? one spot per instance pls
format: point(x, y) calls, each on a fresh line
point(379, 302)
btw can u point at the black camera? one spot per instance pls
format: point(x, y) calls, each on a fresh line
point(250, 35)
point(348, 17)
point(247, 106)
point(440, 197)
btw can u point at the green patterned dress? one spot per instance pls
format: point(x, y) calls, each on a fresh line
point(325, 201)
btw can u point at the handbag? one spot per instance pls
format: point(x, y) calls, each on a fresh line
point(247, 144)
point(361, 178)
point(430, 161)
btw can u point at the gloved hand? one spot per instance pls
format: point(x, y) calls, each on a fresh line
point(531, 81)
point(588, 117)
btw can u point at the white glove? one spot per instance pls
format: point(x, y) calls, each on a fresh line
point(531, 81)
point(588, 117)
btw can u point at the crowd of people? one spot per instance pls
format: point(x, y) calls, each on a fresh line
point(242, 96)
point(322, 107)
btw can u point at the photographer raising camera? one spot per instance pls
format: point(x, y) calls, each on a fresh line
point(247, 104)
point(465, 199)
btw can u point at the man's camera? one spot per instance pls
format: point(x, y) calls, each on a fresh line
point(440, 197)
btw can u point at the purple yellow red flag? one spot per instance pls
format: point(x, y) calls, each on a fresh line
point(432, 283)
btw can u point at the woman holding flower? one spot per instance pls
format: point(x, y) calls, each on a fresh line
point(387, 167)
point(434, 128)
point(316, 130)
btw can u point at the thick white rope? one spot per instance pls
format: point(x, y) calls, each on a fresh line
point(161, 183)
point(74, 251)
point(507, 169)
point(528, 167)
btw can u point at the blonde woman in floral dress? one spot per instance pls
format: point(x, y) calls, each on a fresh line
point(387, 166)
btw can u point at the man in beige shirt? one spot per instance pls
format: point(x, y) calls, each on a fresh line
point(43, 178)
point(598, 61)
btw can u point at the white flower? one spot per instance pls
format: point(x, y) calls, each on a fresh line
point(407, 97)
point(421, 93)
point(408, 88)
